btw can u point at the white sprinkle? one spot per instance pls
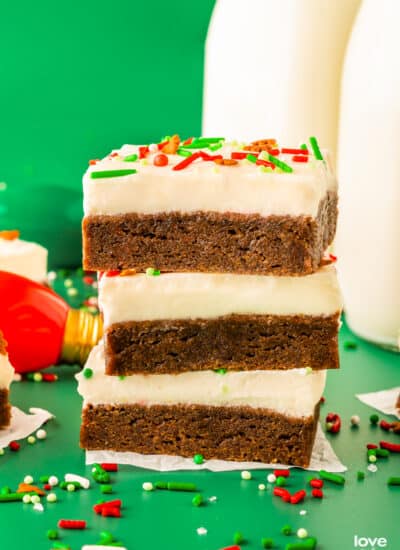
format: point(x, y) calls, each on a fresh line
point(302, 533)
point(68, 283)
point(35, 499)
point(41, 434)
point(245, 474)
point(3, 186)
point(372, 468)
point(101, 547)
point(37, 377)
point(261, 487)
point(84, 481)
point(70, 487)
point(26, 499)
point(355, 420)
point(372, 458)
point(17, 377)
point(147, 486)
point(303, 512)
point(51, 497)
point(28, 480)
point(271, 478)
point(153, 148)
point(53, 481)
point(95, 284)
point(1, 451)
point(213, 499)
point(72, 291)
point(38, 506)
point(51, 276)
point(201, 531)
point(31, 439)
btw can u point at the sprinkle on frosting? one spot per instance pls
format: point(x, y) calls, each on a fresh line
point(315, 148)
point(112, 173)
point(10, 235)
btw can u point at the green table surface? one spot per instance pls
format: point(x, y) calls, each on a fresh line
point(168, 521)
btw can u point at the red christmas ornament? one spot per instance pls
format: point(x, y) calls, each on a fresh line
point(40, 327)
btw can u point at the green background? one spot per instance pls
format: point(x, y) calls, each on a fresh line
point(164, 520)
point(77, 79)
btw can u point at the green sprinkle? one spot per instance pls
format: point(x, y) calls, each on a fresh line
point(267, 543)
point(198, 459)
point(393, 481)
point(165, 138)
point(334, 478)
point(280, 164)
point(44, 479)
point(151, 272)
point(238, 538)
point(220, 371)
point(131, 158)
point(183, 152)
point(286, 530)
point(382, 453)
point(106, 537)
point(121, 377)
point(87, 372)
point(315, 148)
point(251, 158)
point(101, 478)
point(112, 173)
point(52, 534)
point(5, 490)
point(12, 497)
point(202, 143)
point(374, 419)
point(96, 468)
point(215, 147)
point(197, 500)
point(304, 146)
point(106, 489)
point(60, 546)
point(175, 486)
point(280, 481)
point(371, 452)
point(360, 476)
point(308, 544)
point(349, 344)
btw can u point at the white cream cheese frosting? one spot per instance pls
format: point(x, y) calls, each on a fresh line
point(143, 297)
point(6, 372)
point(204, 186)
point(293, 393)
point(24, 258)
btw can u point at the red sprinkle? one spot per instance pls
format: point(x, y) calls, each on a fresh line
point(300, 158)
point(234, 547)
point(162, 144)
point(88, 280)
point(72, 524)
point(316, 483)
point(389, 446)
point(282, 473)
point(188, 141)
point(239, 155)
point(317, 493)
point(283, 493)
point(14, 446)
point(298, 497)
point(143, 152)
point(111, 512)
point(322, 400)
point(110, 505)
point(387, 426)
point(112, 273)
point(334, 422)
point(292, 151)
point(93, 162)
point(109, 467)
point(206, 156)
point(47, 487)
point(49, 377)
point(260, 162)
point(114, 155)
point(274, 152)
point(160, 160)
point(186, 161)
point(371, 446)
point(332, 257)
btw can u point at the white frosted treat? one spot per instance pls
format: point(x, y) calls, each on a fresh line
point(23, 258)
point(143, 297)
point(293, 393)
point(203, 185)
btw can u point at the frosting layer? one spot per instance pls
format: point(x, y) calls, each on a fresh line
point(24, 258)
point(6, 372)
point(293, 393)
point(243, 188)
point(205, 295)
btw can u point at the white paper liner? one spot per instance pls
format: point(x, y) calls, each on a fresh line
point(383, 401)
point(323, 458)
point(23, 424)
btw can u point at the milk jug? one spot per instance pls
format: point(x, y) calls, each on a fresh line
point(368, 241)
point(273, 69)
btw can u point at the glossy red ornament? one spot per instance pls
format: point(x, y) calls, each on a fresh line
point(40, 327)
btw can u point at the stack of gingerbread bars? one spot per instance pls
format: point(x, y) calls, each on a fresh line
point(221, 307)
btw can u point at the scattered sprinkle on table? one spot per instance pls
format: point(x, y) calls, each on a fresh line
point(245, 474)
point(201, 531)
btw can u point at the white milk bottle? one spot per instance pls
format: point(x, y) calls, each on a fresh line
point(368, 241)
point(273, 69)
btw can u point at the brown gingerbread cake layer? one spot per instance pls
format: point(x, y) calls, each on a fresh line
point(210, 241)
point(233, 342)
point(5, 409)
point(226, 433)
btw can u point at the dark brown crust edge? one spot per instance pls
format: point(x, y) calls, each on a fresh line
point(5, 409)
point(232, 342)
point(210, 241)
point(225, 433)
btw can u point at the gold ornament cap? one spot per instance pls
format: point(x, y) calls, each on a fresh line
point(82, 332)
